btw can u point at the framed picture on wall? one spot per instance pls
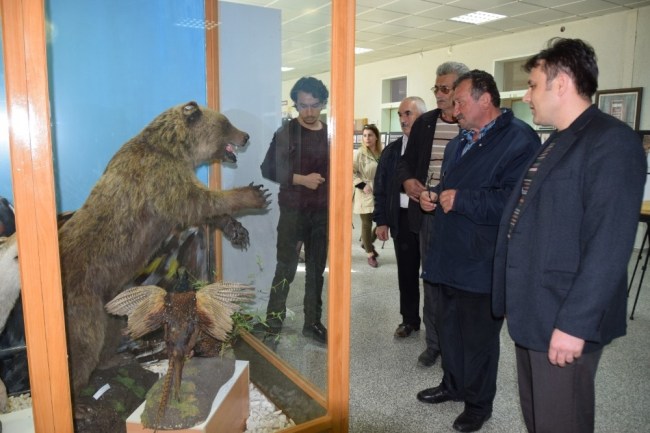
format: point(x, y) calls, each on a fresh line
point(624, 104)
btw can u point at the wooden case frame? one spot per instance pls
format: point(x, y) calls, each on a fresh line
point(28, 112)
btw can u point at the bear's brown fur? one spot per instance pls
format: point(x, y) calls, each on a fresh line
point(148, 189)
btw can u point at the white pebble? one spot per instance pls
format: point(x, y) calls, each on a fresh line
point(264, 416)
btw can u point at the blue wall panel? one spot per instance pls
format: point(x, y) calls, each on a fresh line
point(5, 164)
point(251, 95)
point(113, 67)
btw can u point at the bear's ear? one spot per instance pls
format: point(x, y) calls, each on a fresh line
point(191, 112)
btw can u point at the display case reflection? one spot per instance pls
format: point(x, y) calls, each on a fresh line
point(88, 138)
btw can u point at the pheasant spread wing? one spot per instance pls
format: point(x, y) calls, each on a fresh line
point(217, 302)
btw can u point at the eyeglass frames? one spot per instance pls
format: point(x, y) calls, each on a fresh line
point(442, 89)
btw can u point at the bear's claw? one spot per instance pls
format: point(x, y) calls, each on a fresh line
point(236, 233)
point(263, 192)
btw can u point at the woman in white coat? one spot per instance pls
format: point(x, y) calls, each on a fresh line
point(366, 159)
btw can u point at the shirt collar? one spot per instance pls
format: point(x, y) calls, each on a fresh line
point(468, 135)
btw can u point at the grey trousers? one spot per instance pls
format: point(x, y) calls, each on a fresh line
point(430, 290)
point(557, 399)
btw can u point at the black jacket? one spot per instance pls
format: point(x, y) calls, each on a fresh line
point(565, 264)
point(283, 159)
point(415, 161)
point(387, 189)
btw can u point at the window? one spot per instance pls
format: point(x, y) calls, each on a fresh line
point(510, 75)
point(393, 90)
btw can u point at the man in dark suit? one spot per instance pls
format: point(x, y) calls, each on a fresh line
point(391, 212)
point(420, 167)
point(565, 240)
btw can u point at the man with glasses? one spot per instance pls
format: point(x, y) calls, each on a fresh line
point(298, 159)
point(419, 167)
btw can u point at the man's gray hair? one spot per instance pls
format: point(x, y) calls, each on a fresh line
point(419, 103)
point(452, 68)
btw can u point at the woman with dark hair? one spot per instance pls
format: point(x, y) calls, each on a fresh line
point(365, 166)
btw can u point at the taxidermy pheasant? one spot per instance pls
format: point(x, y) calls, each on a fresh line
point(183, 313)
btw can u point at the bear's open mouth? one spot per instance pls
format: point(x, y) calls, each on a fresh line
point(231, 153)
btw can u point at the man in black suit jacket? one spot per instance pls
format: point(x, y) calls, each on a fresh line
point(391, 212)
point(565, 239)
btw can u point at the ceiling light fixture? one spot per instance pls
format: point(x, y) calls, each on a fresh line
point(359, 50)
point(478, 17)
point(287, 69)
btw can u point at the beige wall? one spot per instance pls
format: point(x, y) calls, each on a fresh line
point(621, 41)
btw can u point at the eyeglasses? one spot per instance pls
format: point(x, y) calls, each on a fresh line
point(316, 106)
point(443, 89)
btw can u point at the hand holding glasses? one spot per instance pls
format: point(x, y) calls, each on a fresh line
point(432, 182)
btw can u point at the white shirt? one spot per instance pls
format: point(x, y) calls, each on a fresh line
point(403, 198)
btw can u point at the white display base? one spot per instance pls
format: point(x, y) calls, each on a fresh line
point(229, 409)
point(20, 421)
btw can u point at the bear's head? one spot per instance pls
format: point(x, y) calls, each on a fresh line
point(216, 138)
point(199, 133)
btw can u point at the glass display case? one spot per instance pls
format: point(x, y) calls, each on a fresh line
point(81, 80)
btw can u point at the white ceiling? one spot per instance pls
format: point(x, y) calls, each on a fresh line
point(395, 28)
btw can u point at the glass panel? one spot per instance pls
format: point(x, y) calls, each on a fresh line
point(397, 89)
point(522, 111)
point(510, 74)
point(393, 89)
point(5, 161)
point(109, 79)
point(288, 144)
point(14, 379)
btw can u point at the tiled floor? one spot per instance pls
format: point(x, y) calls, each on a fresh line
point(385, 377)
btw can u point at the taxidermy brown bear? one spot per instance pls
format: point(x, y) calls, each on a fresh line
point(149, 188)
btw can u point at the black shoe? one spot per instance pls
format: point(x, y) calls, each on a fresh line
point(436, 395)
point(315, 331)
point(404, 330)
point(266, 331)
point(468, 422)
point(426, 359)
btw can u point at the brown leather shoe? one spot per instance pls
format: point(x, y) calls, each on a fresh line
point(405, 329)
point(373, 262)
